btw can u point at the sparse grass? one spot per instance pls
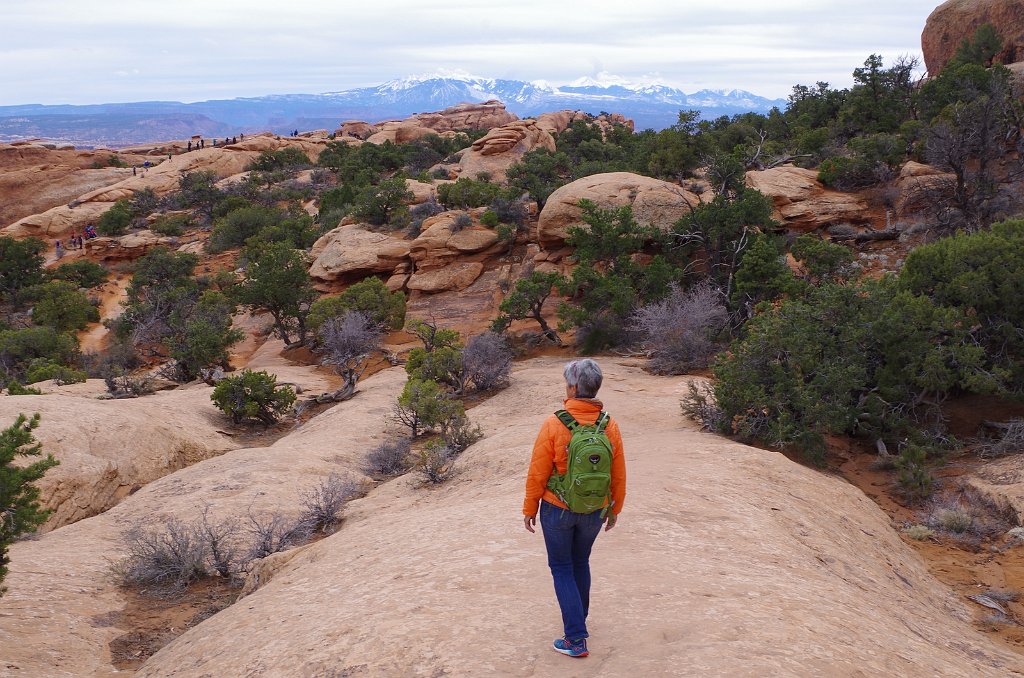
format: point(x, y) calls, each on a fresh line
point(951, 519)
point(323, 503)
point(390, 458)
point(919, 532)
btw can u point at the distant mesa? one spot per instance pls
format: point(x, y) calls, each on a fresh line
point(955, 21)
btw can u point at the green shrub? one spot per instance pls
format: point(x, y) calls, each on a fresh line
point(171, 225)
point(42, 369)
point(489, 219)
point(253, 396)
point(18, 492)
point(16, 389)
point(198, 190)
point(237, 226)
point(384, 203)
point(466, 193)
point(204, 337)
point(277, 281)
point(912, 473)
point(371, 296)
point(80, 273)
point(116, 220)
point(62, 306)
point(983, 274)
point(21, 265)
point(18, 348)
point(425, 405)
point(229, 204)
point(442, 365)
point(281, 159)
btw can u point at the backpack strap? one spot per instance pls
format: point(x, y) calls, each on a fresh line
point(567, 419)
point(602, 421)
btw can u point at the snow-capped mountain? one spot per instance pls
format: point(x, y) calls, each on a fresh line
point(651, 104)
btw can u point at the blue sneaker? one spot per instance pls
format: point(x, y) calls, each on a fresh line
point(571, 648)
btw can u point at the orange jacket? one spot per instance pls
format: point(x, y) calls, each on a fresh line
point(550, 452)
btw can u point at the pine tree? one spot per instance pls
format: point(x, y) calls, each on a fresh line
point(19, 499)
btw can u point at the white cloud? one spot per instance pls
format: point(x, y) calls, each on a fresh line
point(75, 51)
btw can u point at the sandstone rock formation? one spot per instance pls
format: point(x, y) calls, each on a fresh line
point(803, 204)
point(108, 448)
point(486, 115)
point(126, 247)
point(456, 276)
point(441, 242)
point(915, 184)
point(224, 161)
point(351, 251)
point(503, 146)
point(828, 581)
point(654, 202)
point(956, 20)
point(357, 129)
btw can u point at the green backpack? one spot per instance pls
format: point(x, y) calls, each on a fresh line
point(587, 482)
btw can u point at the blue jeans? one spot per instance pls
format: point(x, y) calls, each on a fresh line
point(569, 537)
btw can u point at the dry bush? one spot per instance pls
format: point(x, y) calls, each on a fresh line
point(218, 540)
point(699, 404)
point(323, 503)
point(487, 361)
point(952, 519)
point(680, 331)
point(1010, 441)
point(919, 532)
point(459, 433)
point(162, 560)
point(274, 533)
point(436, 462)
point(348, 341)
point(390, 458)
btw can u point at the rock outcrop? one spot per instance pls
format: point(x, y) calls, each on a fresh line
point(163, 178)
point(108, 448)
point(441, 241)
point(558, 121)
point(486, 115)
point(499, 149)
point(829, 581)
point(654, 202)
point(456, 276)
point(351, 251)
point(127, 247)
point(803, 204)
point(954, 21)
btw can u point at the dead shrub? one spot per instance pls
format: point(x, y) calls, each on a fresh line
point(919, 532)
point(953, 519)
point(162, 560)
point(487, 361)
point(218, 540)
point(680, 331)
point(436, 462)
point(274, 533)
point(390, 458)
point(1010, 441)
point(699, 405)
point(323, 503)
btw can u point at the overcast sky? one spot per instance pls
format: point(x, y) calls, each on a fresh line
point(93, 51)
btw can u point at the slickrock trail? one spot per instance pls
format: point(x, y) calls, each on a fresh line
point(728, 561)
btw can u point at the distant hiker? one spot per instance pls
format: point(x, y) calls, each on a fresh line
point(190, 145)
point(134, 173)
point(60, 249)
point(242, 136)
point(215, 143)
point(234, 140)
point(577, 477)
point(202, 143)
point(226, 141)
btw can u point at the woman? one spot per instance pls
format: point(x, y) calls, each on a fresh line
point(569, 536)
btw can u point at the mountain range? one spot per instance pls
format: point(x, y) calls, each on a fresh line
point(650, 106)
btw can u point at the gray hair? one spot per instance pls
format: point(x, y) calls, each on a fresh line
point(585, 375)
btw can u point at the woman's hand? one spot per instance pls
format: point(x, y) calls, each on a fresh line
point(610, 521)
point(529, 522)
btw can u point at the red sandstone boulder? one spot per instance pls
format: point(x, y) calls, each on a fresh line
point(955, 21)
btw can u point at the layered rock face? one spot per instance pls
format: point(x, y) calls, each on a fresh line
point(653, 201)
point(486, 115)
point(956, 20)
point(502, 147)
point(803, 204)
point(352, 252)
